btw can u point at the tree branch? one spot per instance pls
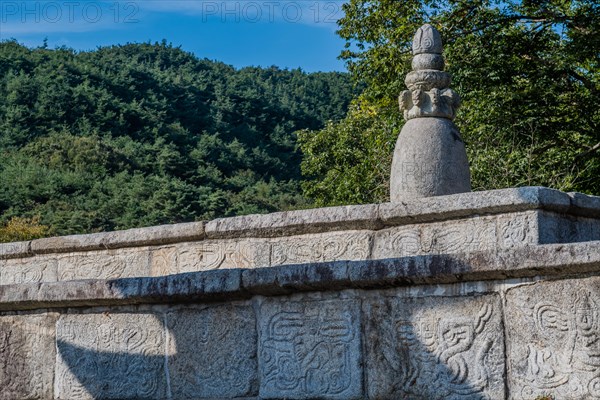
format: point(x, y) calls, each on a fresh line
point(586, 153)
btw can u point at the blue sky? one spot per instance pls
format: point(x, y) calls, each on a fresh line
point(286, 33)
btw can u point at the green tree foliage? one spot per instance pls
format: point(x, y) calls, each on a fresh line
point(529, 75)
point(145, 134)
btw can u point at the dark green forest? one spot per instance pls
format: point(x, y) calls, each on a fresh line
point(144, 134)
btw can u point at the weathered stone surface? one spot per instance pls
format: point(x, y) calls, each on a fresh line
point(585, 205)
point(209, 255)
point(14, 250)
point(429, 160)
point(295, 222)
point(484, 233)
point(163, 260)
point(263, 252)
point(154, 235)
point(110, 356)
point(431, 209)
point(68, 243)
point(107, 264)
point(517, 229)
point(435, 348)
point(459, 236)
point(448, 237)
point(324, 220)
point(220, 254)
point(518, 262)
point(470, 234)
point(353, 245)
point(329, 219)
point(356, 335)
point(212, 352)
point(27, 354)
point(31, 269)
point(553, 339)
point(310, 349)
point(560, 228)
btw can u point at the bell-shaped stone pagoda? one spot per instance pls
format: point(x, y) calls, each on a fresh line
point(430, 158)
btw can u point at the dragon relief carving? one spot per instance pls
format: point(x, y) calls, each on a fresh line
point(566, 359)
point(437, 356)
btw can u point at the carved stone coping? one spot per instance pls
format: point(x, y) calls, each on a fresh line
point(359, 217)
point(552, 260)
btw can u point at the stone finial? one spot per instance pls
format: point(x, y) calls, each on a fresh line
point(427, 40)
point(429, 94)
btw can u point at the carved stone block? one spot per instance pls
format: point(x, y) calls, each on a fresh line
point(517, 229)
point(436, 238)
point(212, 352)
point(310, 349)
point(27, 354)
point(163, 261)
point(14, 250)
point(263, 252)
point(31, 269)
point(353, 245)
point(434, 348)
point(216, 254)
point(110, 356)
point(554, 340)
point(106, 264)
point(560, 228)
point(457, 236)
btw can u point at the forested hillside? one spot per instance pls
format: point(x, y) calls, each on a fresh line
point(143, 134)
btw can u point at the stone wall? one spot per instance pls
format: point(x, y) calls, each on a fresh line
point(490, 295)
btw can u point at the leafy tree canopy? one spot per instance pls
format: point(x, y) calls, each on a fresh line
point(529, 75)
point(145, 134)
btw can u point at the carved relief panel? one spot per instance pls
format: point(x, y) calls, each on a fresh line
point(106, 264)
point(32, 269)
point(473, 234)
point(263, 252)
point(110, 356)
point(435, 348)
point(217, 254)
point(310, 349)
point(26, 356)
point(554, 340)
point(212, 352)
point(320, 248)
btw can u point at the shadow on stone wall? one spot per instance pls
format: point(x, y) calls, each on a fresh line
point(385, 344)
point(434, 348)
